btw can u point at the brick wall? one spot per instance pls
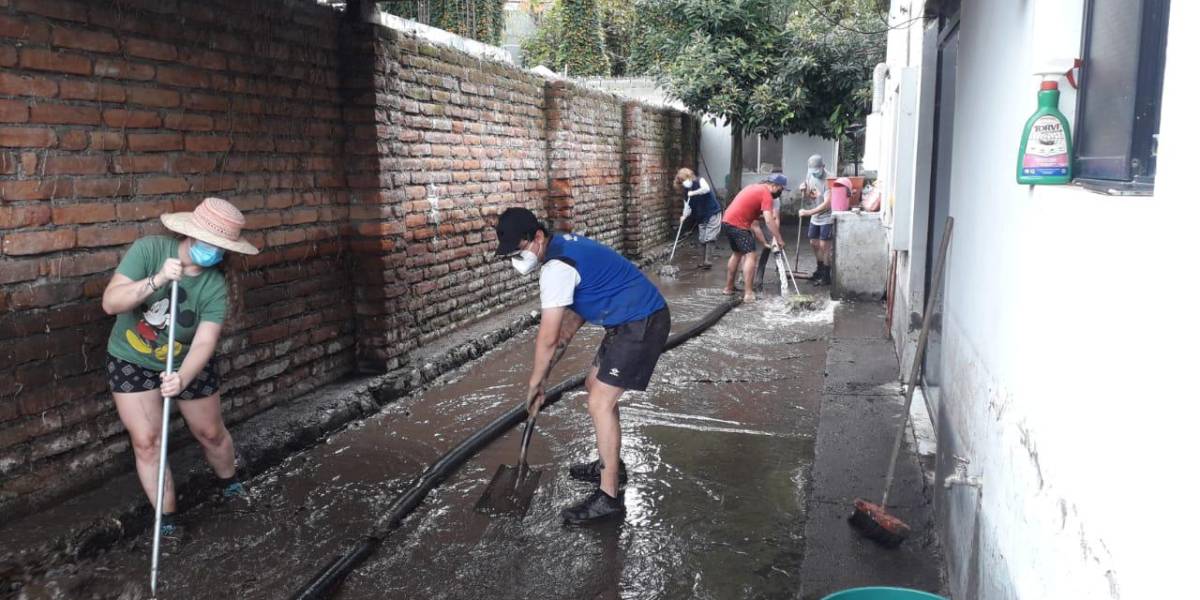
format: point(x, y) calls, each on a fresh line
point(112, 113)
point(370, 167)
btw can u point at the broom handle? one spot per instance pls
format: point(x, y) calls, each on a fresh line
point(162, 443)
point(677, 232)
point(915, 371)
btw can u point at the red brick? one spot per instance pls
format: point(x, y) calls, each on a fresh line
point(8, 56)
point(163, 185)
point(120, 69)
point(75, 165)
point(38, 242)
point(35, 189)
point(45, 294)
point(84, 213)
point(64, 115)
point(153, 97)
point(8, 163)
point(14, 111)
point(193, 164)
point(80, 264)
point(12, 271)
point(73, 140)
point(27, 137)
point(106, 235)
point(143, 48)
point(108, 187)
point(203, 59)
point(21, 85)
point(61, 62)
point(193, 101)
point(140, 164)
point(188, 122)
point(24, 216)
point(155, 142)
point(208, 143)
point(132, 119)
point(74, 89)
point(106, 140)
point(55, 9)
point(141, 211)
point(29, 163)
point(24, 29)
point(183, 77)
point(95, 41)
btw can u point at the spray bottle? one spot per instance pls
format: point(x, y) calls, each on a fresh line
point(1046, 155)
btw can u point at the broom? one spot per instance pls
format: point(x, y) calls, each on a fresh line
point(873, 520)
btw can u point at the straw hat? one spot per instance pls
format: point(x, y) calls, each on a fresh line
point(216, 222)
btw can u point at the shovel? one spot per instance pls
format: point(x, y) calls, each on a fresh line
point(512, 487)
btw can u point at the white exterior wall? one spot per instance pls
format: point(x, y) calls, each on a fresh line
point(715, 144)
point(1067, 386)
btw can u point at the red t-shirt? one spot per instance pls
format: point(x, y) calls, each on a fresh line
point(749, 205)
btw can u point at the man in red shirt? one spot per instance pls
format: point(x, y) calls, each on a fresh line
point(740, 225)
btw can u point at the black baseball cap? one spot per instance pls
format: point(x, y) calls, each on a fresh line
point(515, 224)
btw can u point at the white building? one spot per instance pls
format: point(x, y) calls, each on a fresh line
point(1060, 370)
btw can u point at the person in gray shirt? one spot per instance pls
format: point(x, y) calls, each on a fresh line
point(820, 228)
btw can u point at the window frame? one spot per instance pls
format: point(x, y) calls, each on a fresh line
point(1143, 151)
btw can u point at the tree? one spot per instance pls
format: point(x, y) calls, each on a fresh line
point(569, 39)
point(769, 67)
point(481, 20)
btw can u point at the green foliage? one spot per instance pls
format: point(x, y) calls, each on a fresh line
point(481, 20)
point(569, 40)
point(770, 66)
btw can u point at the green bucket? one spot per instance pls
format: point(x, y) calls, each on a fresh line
point(882, 593)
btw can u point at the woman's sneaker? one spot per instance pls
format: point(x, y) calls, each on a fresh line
point(591, 472)
point(598, 506)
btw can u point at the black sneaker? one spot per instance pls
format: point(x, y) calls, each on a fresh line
point(591, 472)
point(596, 507)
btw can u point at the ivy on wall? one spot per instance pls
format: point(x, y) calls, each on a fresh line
point(481, 20)
point(569, 40)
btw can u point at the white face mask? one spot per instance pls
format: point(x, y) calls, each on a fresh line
point(525, 262)
point(687, 183)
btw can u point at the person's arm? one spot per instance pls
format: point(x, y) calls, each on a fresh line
point(700, 189)
point(557, 328)
point(818, 208)
point(124, 294)
point(772, 220)
point(204, 343)
point(758, 234)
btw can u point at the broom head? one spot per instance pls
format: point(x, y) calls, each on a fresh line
point(876, 524)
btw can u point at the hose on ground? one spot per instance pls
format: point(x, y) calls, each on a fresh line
point(327, 580)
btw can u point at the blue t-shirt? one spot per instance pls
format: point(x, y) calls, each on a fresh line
point(610, 290)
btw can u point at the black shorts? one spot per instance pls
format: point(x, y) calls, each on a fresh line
point(128, 378)
point(820, 232)
point(740, 240)
point(630, 351)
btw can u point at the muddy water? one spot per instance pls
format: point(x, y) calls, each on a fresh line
point(718, 450)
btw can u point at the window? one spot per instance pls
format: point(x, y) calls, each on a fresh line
point(1120, 91)
point(762, 154)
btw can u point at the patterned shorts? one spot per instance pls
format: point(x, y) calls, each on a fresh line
point(128, 378)
point(741, 240)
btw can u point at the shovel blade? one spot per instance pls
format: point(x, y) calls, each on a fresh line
point(510, 492)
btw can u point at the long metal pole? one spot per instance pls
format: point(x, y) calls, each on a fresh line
point(915, 371)
point(162, 444)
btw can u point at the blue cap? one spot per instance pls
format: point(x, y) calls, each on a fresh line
point(778, 179)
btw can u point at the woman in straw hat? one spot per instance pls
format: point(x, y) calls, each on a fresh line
point(139, 296)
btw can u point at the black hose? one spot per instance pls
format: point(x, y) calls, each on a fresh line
point(325, 582)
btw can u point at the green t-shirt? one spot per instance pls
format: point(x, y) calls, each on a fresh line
point(140, 335)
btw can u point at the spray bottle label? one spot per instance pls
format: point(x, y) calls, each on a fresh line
point(1046, 148)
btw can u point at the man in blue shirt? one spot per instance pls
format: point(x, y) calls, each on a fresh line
point(583, 280)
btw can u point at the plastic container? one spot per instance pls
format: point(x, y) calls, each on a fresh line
point(839, 194)
point(882, 593)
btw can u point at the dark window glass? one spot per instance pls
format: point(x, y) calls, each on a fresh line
point(1120, 89)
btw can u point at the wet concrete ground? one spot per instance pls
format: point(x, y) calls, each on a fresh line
point(720, 452)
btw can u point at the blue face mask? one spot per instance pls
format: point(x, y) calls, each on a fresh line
point(205, 255)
